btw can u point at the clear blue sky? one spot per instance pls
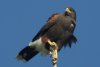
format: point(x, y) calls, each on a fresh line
point(20, 20)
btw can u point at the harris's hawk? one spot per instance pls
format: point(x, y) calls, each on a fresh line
point(59, 29)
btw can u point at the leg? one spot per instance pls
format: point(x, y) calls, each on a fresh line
point(53, 52)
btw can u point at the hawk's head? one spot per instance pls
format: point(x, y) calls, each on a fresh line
point(70, 12)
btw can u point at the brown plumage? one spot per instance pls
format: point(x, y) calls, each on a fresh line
point(59, 29)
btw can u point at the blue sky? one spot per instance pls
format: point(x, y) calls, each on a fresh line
point(20, 20)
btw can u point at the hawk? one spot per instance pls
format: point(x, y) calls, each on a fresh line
point(59, 29)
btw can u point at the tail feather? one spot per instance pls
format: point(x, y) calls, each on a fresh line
point(27, 53)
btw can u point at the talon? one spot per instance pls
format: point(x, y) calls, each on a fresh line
point(52, 44)
point(53, 52)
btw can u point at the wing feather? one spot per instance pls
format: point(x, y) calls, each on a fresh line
point(51, 22)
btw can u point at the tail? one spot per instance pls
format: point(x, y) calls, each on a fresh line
point(26, 54)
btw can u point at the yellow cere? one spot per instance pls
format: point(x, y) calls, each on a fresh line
point(68, 10)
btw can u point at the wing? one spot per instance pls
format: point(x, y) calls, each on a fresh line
point(50, 22)
point(72, 38)
point(67, 38)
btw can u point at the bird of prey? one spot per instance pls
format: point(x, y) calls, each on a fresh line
point(59, 29)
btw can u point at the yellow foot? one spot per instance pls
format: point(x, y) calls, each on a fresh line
point(53, 52)
point(53, 45)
